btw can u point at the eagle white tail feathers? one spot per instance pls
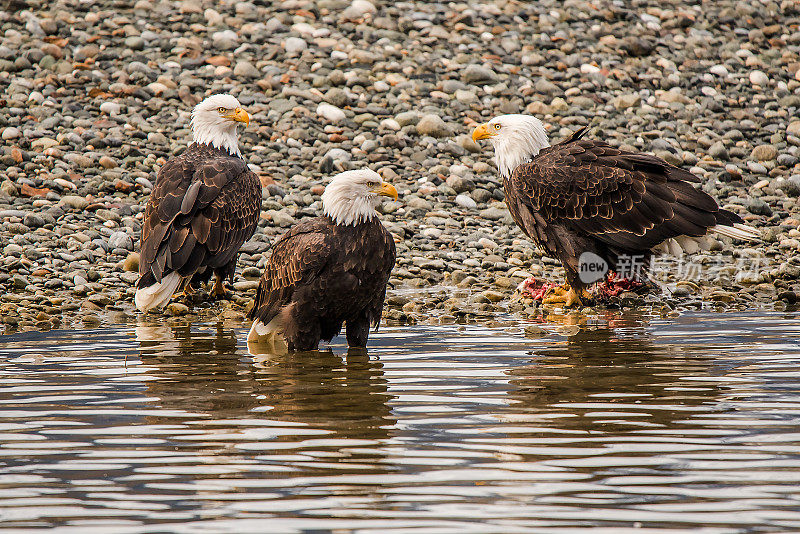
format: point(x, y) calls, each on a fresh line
point(158, 294)
point(266, 338)
point(263, 333)
point(689, 245)
point(738, 231)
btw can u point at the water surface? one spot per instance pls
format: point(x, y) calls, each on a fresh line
point(632, 423)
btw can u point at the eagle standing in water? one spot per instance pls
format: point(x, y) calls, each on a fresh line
point(204, 206)
point(583, 196)
point(328, 270)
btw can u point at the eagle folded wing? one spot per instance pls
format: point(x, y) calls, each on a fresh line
point(632, 201)
point(211, 205)
point(297, 258)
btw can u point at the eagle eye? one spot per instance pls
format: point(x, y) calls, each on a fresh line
point(497, 126)
point(222, 109)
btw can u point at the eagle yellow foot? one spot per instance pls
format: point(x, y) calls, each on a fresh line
point(566, 295)
point(188, 292)
point(218, 292)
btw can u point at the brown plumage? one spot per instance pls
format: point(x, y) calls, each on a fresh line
point(204, 206)
point(322, 274)
point(586, 196)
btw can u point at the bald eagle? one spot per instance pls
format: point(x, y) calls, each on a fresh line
point(328, 270)
point(204, 206)
point(582, 196)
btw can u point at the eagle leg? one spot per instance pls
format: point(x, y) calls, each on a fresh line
point(188, 290)
point(219, 291)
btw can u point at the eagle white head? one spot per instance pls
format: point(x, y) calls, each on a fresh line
point(352, 196)
point(214, 122)
point(515, 138)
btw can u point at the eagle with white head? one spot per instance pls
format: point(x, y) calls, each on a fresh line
point(328, 270)
point(583, 196)
point(204, 206)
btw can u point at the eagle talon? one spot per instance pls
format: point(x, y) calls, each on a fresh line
point(566, 295)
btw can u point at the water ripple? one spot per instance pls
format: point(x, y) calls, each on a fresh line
point(632, 424)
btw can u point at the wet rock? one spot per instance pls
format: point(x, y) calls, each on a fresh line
point(176, 309)
point(535, 331)
point(131, 263)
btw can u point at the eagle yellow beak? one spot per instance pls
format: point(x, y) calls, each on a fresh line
point(386, 190)
point(239, 115)
point(483, 131)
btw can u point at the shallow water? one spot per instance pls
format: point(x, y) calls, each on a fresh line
point(691, 423)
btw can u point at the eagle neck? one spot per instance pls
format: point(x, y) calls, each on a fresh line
point(220, 138)
point(345, 209)
point(511, 152)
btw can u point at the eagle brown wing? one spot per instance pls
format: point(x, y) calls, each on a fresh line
point(297, 257)
point(626, 200)
point(204, 206)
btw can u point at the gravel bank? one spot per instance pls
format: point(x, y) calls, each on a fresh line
point(97, 96)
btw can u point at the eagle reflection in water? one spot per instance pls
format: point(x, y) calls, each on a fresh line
point(206, 370)
point(616, 376)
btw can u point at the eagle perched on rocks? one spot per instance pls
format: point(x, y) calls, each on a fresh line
point(204, 206)
point(328, 270)
point(582, 196)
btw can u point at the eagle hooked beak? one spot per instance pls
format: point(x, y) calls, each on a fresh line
point(239, 115)
point(483, 131)
point(386, 190)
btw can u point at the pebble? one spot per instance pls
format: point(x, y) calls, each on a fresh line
point(466, 202)
point(719, 70)
point(74, 202)
point(479, 74)
point(131, 263)
point(295, 45)
point(433, 125)
point(10, 133)
point(764, 153)
point(225, 39)
point(358, 9)
point(341, 84)
point(623, 102)
point(120, 240)
point(331, 113)
point(110, 108)
point(176, 309)
point(758, 77)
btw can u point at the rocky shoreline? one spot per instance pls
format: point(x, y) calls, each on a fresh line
point(96, 96)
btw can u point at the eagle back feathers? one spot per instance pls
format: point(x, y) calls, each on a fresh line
point(629, 201)
point(204, 206)
point(327, 272)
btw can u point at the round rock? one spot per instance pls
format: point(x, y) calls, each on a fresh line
point(433, 125)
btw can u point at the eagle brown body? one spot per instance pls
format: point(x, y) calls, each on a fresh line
point(582, 195)
point(586, 196)
point(204, 206)
point(322, 274)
